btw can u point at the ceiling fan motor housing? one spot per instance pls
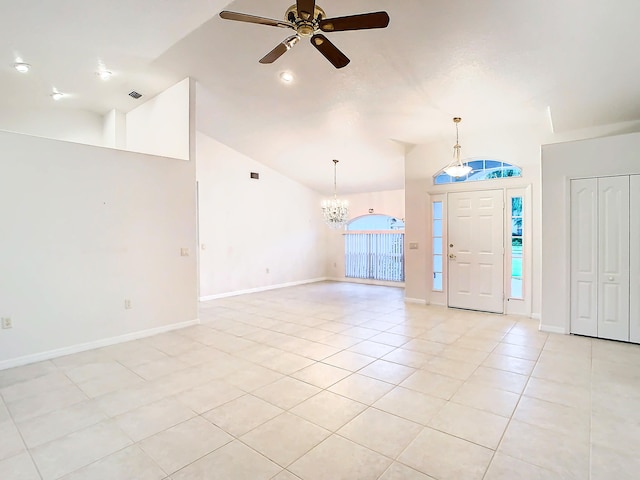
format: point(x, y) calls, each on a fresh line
point(305, 27)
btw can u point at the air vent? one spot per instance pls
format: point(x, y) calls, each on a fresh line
point(255, 175)
point(134, 94)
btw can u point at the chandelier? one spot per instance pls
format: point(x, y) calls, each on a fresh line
point(456, 168)
point(334, 211)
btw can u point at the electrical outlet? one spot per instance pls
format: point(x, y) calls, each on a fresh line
point(6, 322)
point(127, 304)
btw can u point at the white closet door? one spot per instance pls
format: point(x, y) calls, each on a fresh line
point(634, 257)
point(584, 257)
point(613, 258)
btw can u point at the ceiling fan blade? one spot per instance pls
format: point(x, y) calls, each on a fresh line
point(306, 8)
point(243, 17)
point(280, 49)
point(362, 21)
point(330, 51)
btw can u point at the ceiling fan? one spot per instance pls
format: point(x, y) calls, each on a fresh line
point(307, 19)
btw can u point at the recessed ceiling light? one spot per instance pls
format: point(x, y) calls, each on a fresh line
point(57, 95)
point(286, 77)
point(104, 74)
point(22, 67)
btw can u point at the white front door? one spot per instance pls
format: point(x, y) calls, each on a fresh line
point(476, 252)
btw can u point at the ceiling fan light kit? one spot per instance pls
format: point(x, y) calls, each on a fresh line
point(456, 168)
point(308, 19)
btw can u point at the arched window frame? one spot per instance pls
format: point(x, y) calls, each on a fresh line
point(377, 253)
point(353, 223)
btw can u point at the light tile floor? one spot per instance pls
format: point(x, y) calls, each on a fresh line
point(329, 381)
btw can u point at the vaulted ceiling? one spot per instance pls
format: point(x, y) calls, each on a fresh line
point(496, 63)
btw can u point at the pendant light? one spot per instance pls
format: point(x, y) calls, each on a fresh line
point(456, 168)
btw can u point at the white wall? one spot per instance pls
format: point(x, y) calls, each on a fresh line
point(247, 226)
point(56, 122)
point(617, 155)
point(518, 147)
point(82, 229)
point(389, 202)
point(160, 126)
point(114, 129)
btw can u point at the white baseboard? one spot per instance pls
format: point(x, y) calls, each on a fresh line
point(418, 301)
point(553, 329)
point(261, 289)
point(81, 347)
point(364, 281)
point(536, 316)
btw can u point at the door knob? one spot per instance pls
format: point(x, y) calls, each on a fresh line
point(611, 279)
point(452, 256)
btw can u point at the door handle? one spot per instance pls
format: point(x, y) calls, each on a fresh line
point(452, 256)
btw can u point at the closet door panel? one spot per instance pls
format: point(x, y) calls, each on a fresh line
point(634, 259)
point(613, 258)
point(584, 257)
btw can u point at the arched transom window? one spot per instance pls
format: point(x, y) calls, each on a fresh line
point(480, 170)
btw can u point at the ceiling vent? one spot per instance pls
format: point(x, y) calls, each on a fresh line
point(134, 94)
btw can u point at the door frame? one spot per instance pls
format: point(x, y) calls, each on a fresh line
point(512, 306)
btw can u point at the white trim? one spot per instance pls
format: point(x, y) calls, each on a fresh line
point(536, 316)
point(418, 301)
point(261, 289)
point(105, 342)
point(553, 329)
point(368, 281)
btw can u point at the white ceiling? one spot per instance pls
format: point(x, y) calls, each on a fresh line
point(496, 63)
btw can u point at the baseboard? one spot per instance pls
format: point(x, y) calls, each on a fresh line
point(418, 301)
point(261, 289)
point(536, 316)
point(105, 342)
point(364, 281)
point(553, 329)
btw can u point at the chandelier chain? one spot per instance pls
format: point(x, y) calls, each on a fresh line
point(335, 177)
